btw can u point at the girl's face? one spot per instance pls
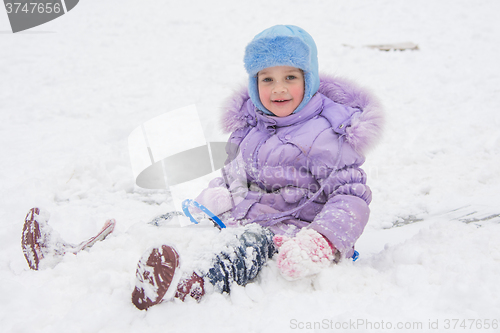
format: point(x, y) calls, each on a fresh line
point(281, 89)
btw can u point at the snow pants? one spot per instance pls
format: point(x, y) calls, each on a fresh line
point(243, 260)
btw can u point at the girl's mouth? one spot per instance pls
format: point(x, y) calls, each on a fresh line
point(281, 100)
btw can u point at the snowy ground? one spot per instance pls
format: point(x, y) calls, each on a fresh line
point(72, 90)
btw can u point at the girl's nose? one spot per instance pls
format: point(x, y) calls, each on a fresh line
point(279, 88)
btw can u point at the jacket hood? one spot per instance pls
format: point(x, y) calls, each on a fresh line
point(365, 128)
point(282, 45)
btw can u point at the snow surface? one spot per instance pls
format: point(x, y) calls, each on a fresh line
point(72, 90)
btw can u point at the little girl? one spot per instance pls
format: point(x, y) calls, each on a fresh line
point(302, 139)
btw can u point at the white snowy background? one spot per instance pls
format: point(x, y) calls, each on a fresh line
point(72, 90)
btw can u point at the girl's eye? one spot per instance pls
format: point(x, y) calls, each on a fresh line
point(291, 77)
point(266, 79)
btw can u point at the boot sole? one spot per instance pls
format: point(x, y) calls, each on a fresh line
point(30, 239)
point(154, 276)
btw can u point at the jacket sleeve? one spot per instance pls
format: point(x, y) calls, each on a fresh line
point(345, 213)
point(233, 177)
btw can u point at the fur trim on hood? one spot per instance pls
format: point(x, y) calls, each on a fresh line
point(365, 129)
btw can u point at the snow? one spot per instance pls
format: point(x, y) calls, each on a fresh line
point(72, 90)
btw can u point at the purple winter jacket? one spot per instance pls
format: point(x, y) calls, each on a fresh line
point(303, 170)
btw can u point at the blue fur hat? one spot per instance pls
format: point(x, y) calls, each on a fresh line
point(282, 45)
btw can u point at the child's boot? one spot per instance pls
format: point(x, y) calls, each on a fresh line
point(154, 275)
point(156, 279)
point(43, 247)
point(192, 286)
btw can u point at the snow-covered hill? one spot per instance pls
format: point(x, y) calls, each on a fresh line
point(72, 90)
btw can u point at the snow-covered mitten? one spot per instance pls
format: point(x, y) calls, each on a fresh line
point(216, 199)
point(303, 255)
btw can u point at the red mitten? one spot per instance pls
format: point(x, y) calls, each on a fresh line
point(304, 255)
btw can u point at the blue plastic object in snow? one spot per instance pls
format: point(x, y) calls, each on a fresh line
point(190, 202)
point(355, 255)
